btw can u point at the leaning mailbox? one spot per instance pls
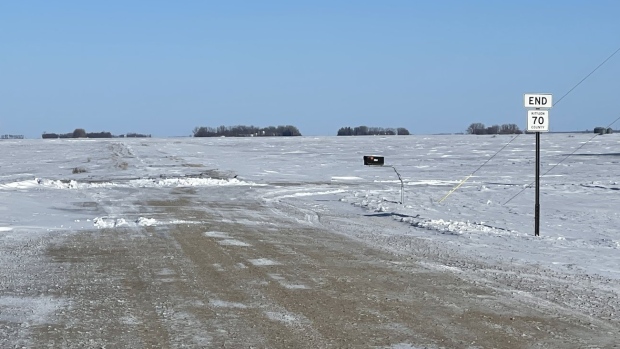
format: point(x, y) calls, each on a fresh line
point(374, 160)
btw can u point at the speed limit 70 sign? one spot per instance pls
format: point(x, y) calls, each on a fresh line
point(538, 121)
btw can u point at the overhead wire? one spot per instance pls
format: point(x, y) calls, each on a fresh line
point(502, 148)
point(581, 146)
point(473, 173)
point(556, 165)
point(587, 76)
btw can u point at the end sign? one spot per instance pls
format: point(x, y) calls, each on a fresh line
point(538, 100)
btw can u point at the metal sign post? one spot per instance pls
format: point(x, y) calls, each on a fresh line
point(537, 201)
point(537, 121)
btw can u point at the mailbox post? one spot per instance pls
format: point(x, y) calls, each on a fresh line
point(373, 160)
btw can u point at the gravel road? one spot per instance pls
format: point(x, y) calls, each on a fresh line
point(233, 270)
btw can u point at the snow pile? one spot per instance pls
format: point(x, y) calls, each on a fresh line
point(104, 222)
point(455, 227)
point(111, 222)
point(186, 182)
point(19, 185)
point(146, 222)
point(134, 183)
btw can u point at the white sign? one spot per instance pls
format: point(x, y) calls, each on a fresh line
point(537, 121)
point(538, 100)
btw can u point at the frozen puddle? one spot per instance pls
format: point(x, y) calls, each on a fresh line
point(263, 262)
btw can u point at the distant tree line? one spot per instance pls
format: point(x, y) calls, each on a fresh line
point(136, 135)
point(12, 137)
point(246, 131)
point(505, 129)
point(81, 133)
point(603, 130)
point(372, 131)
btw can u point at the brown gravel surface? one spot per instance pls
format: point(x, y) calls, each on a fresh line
point(248, 273)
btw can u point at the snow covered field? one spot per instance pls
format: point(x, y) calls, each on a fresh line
point(579, 198)
point(42, 180)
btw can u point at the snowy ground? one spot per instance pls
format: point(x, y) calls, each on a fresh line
point(473, 233)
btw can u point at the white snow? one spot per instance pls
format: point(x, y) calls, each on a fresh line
point(217, 234)
point(579, 197)
point(287, 318)
point(233, 242)
point(218, 303)
point(146, 222)
point(262, 262)
point(135, 183)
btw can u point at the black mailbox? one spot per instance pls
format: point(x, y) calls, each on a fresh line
point(373, 160)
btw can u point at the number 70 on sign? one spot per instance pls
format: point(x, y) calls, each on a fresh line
point(538, 121)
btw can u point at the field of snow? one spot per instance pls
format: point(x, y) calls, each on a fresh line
point(42, 180)
point(579, 197)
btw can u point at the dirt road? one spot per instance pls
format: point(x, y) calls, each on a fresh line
point(238, 272)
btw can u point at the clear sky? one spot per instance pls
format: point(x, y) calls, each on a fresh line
point(165, 67)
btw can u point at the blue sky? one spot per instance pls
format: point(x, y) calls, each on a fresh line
point(164, 67)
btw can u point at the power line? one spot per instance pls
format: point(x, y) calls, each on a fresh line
point(481, 166)
point(587, 76)
point(554, 104)
point(556, 165)
point(558, 101)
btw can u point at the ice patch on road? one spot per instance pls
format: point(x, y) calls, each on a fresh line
point(218, 267)
point(29, 310)
point(294, 286)
point(263, 262)
point(286, 318)
point(347, 178)
point(4, 229)
point(225, 304)
point(130, 320)
point(233, 242)
point(295, 193)
point(282, 281)
point(216, 234)
point(405, 346)
point(241, 266)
